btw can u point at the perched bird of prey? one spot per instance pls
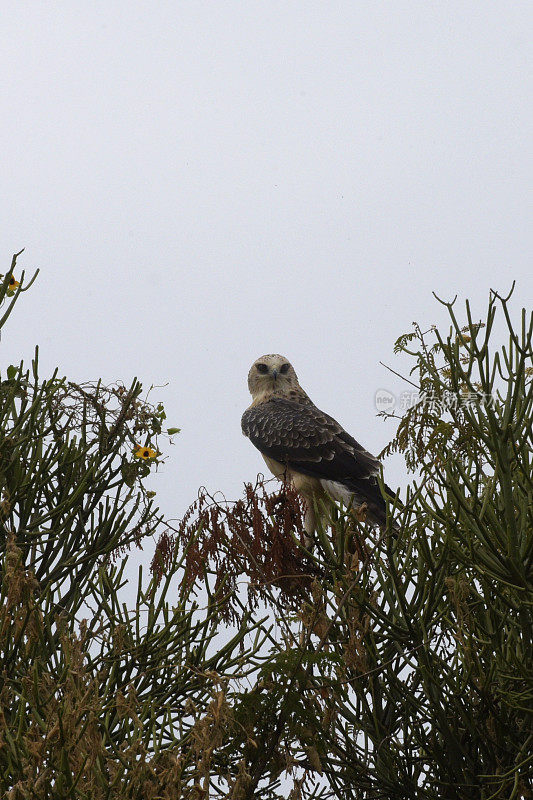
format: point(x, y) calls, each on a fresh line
point(307, 447)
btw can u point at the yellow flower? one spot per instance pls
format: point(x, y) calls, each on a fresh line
point(144, 452)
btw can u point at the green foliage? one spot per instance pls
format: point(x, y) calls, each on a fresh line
point(370, 666)
point(404, 668)
point(434, 636)
point(97, 700)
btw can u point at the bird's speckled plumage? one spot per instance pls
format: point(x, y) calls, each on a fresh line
point(305, 445)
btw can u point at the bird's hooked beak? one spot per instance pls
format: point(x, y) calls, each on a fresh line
point(275, 373)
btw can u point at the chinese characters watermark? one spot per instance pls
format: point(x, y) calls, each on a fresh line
point(387, 402)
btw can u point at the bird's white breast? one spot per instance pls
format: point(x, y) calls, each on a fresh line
point(305, 484)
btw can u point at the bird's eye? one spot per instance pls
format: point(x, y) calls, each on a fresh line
point(262, 368)
point(284, 368)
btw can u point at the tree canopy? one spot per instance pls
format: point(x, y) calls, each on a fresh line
point(372, 665)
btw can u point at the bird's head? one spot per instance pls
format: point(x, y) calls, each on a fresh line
point(271, 374)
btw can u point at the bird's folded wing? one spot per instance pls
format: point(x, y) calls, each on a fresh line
point(308, 441)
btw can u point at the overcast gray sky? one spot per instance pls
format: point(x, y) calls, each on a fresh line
point(204, 182)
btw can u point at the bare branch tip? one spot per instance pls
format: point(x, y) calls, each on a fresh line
point(447, 303)
point(504, 300)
